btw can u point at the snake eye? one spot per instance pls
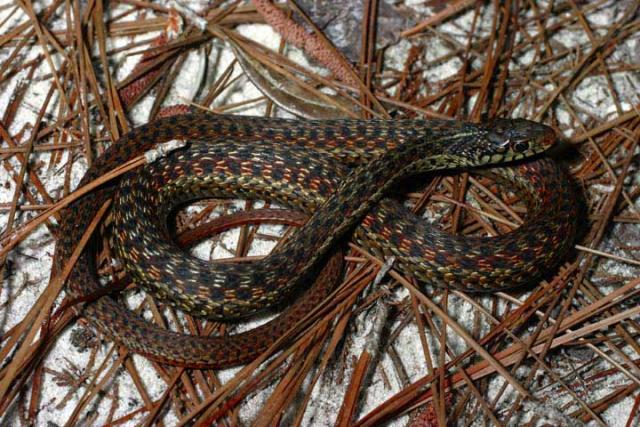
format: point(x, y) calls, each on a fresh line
point(496, 137)
point(520, 146)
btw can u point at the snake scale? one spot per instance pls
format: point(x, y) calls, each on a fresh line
point(338, 172)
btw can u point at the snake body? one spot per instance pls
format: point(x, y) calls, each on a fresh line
point(336, 171)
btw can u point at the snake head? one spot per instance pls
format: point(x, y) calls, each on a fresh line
point(515, 139)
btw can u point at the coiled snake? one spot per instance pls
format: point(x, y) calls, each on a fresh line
point(336, 171)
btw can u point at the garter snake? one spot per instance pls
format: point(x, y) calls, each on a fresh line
point(336, 171)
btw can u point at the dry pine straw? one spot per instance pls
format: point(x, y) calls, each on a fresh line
point(520, 353)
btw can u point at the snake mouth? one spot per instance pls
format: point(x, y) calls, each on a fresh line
point(542, 140)
point(549, 137)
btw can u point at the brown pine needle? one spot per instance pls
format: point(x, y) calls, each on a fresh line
point(34, 319)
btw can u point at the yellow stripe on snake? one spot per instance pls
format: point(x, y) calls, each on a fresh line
point(339, 173)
